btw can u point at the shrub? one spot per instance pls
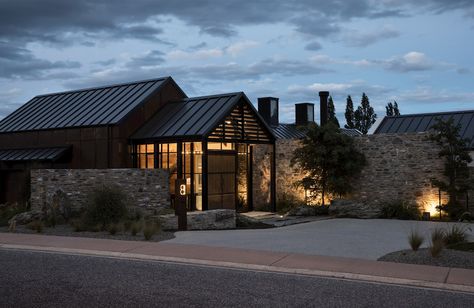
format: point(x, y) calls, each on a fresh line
point(8, 210)
point(135, 214)
point(286, 202)
point(455, 235)
point(436, 248)
point(437, 241)
point(466, 216)
point(415, 239)
point(36, 225)
point(401, 210)
point(78, 225)
point(113, 228)
point(149, 231)
point(136, 227)
point(127, 224)
point(438, 234)
point(107, 204)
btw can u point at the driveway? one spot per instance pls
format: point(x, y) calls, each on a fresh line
point(353, 238)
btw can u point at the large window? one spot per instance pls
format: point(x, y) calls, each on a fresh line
point(146, 156)
point(168, 159)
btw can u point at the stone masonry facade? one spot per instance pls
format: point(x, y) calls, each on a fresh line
point(147, 189)
point(399, 168)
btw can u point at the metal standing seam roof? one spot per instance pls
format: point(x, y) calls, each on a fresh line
point(191, 117)
point(412, 123)
point(43, 154)
point(292, 131)
point(86, 107)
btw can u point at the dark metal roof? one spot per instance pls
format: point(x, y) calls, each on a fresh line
point(50, 154)
point(87, 107)
point(351, 132)
point(292, 131)
point(422, 122)
point(191, 117)
point(289, 131)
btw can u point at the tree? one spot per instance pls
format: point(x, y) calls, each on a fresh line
point(332, 112)
point(329, 159)
point(364, 116)
point(455, 151)
point(392, 109)
point(349, 114)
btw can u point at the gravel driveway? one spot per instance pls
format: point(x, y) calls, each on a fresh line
point(354, 238)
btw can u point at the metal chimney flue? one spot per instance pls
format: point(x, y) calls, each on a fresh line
point(268, 109)
point(323, 106)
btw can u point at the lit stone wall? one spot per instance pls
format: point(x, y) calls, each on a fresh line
point(262, 156)
point(147, 189)
point(399, 167)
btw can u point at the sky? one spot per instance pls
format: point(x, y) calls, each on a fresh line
point(417, 52)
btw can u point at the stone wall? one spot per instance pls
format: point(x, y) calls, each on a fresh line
point(148, 189)
point(399, 167)
point(287, 175)
point(262, 157)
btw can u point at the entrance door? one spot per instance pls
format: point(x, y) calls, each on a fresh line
point(221, 179)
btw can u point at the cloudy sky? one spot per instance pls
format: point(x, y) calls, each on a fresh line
point(417, 52)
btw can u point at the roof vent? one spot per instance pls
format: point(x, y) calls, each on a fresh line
point(304, 113)
point(268, 109)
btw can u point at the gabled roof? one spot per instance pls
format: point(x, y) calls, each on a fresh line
point(99, 106)
point(38, 154)
point(292, 131)
point(422, 122)
point(194, 117)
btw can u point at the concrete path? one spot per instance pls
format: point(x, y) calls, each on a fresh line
point(255, 260)
point(354, 238)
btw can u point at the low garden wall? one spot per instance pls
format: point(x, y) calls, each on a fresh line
point(146, 188)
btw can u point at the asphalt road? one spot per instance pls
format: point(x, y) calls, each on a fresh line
point(36, 279)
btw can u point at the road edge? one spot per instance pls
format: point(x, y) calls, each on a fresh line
point(245, 266)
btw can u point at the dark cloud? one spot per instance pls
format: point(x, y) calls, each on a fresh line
point(143, 67)
point(197, 46)
point(51, 20)
point(106, 62)
point(313, 46)
point(358, 39)
point(151, 58)
point(18, 62)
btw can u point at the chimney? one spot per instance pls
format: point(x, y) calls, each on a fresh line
point(304, 114)
point(268, 109)
point(323, 105)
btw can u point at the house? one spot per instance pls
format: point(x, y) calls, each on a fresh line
point(207, 140)
point(226, 151)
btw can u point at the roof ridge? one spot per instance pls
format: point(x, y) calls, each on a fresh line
point(103, 87)
point(212, 95)
point(428, 114)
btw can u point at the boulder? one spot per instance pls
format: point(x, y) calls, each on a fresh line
point(308, 210)
point(205, 220)
point(353, 209)
point(27, 217)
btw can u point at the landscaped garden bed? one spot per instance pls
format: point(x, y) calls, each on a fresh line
point(449, 247)
point(447, 258)
point(68, 230)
